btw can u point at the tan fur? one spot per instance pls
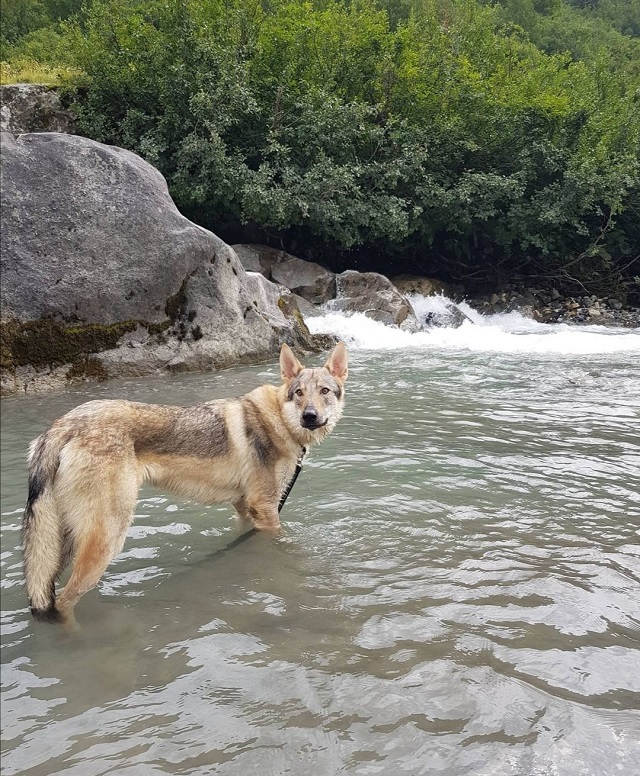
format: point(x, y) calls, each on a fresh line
point(86, 470)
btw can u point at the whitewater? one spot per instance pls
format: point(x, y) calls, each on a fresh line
point(497, 333)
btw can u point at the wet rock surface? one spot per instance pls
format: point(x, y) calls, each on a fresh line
point(375, 296)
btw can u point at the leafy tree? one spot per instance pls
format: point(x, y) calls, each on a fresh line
point(19, 17)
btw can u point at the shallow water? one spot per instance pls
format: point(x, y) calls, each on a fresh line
point(455, 590)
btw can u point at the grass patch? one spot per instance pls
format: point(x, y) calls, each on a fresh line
point(30, 71)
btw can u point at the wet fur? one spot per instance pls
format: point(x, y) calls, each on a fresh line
point(86, 470)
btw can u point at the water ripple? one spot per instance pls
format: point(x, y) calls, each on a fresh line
point(455, 590)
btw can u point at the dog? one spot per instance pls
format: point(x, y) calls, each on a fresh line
point(86, 470)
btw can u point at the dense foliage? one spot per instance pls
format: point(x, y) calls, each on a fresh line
point(447, 137)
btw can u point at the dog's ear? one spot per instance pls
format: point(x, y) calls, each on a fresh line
point(337, 362)
point(289, 364)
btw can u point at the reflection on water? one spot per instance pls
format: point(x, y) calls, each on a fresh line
point(455, 590)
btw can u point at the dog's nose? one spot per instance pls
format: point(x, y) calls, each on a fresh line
point(309, 415)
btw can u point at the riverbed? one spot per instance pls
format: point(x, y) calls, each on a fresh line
point(455, 589)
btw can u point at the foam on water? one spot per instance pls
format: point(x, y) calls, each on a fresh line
point(503, 333)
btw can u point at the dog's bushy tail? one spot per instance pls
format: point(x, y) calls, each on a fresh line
point(43, 538)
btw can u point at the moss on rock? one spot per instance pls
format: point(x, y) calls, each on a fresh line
point(290, 310)
point(87, 368)
point(46, 342)
point(8, 331)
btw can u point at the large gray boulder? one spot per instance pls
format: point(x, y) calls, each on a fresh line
point(307, 279)
point(258, 258)
point(33, 108)
point(102, 276)
point(375, 296)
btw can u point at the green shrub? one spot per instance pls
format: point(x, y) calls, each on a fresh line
point(438, 136)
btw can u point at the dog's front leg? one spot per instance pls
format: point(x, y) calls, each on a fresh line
point(264, 512)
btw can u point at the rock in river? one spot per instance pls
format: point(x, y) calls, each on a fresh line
point(102, 276)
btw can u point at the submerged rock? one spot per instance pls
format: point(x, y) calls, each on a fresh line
point(437, 308)
point(449, 316)
point(375, 296)
point(103, 277)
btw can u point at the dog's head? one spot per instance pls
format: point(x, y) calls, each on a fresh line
point(314, 397)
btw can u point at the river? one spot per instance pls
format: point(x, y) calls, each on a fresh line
point(455, 589)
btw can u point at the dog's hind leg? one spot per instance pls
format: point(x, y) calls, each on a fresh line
point(94, 554)
point(101, 529)
point(242, 510)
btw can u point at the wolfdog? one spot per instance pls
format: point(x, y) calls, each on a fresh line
point(86, 470)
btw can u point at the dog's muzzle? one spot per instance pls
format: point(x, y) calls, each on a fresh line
point(311, 421)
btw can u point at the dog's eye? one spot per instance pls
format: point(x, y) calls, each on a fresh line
point(299, 392)
point(324, 390)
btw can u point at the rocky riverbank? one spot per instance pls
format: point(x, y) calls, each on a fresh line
point(550, 306)
point(386, 299)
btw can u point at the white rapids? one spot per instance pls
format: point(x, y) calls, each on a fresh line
point(503, 332)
